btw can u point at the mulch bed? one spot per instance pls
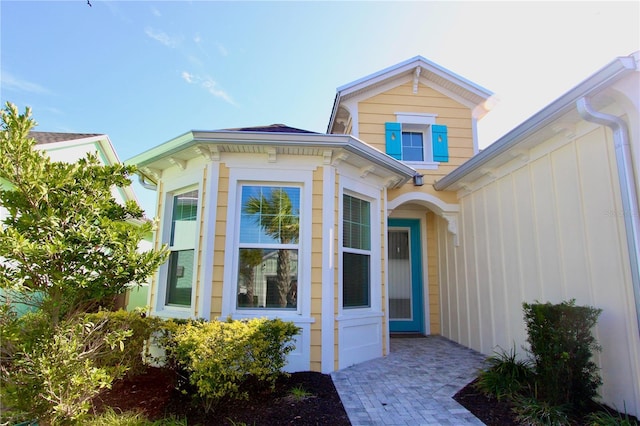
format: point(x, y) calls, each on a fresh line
point(155, 393)
point(498, 413)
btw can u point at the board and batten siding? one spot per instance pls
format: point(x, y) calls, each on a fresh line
point(549, 228)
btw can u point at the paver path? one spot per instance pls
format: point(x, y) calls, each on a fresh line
point(414, 385)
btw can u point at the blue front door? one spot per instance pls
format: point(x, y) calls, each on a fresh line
point(404, 256)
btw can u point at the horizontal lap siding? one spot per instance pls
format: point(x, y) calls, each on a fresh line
point(546, 230)
point(375, 111)
point(316, 271)
point(433, 286)
point(220, 242)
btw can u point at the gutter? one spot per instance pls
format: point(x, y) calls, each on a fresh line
point(628, 189)
point(145, 184)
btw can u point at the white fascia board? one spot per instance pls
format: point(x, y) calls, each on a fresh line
point(348, 143)
point(162, 150)
point(604, 77)
point(410, 65)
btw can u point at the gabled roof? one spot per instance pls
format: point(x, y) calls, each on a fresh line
point(69, 147)
point(421, 70)
point(52, 137)
point(542, 125)
point(272, 128)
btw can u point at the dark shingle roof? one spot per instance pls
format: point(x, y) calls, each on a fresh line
point(52, 137)
point(272, 128)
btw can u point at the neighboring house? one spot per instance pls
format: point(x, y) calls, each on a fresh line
point(69, 148)
point(393, 222)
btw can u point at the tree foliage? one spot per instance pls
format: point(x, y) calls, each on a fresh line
point(67, 245)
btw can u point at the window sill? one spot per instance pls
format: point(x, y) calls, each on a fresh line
point(424, 165)
point(173, 312)
point(357, 314)
point(285, 316)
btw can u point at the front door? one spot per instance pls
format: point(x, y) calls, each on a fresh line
point(405, 276)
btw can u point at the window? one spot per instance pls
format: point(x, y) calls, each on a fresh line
point(356, 254)
point(419, 140)
point(182, 249)
point(412, 146)
point(268, 247)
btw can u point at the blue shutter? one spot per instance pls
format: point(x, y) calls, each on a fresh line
point(393, 139)
point(440, 143)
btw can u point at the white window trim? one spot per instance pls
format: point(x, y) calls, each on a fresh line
point(239, 177)
point(371, 194)
point(184, 184)
point(420, 122)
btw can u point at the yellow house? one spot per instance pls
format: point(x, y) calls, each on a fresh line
point(393, 222)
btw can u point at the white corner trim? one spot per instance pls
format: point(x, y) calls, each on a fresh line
point(328, 270)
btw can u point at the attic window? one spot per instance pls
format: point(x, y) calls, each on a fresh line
point(416, 139)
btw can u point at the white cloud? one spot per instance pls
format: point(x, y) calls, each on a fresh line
point(187, 77)
point(209, 84)
point(10, 82)
point(155, 12)
point(197, 39)
point(223, 51)
point(162, 37)
point(212, 87)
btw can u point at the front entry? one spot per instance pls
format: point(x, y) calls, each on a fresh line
point(405, 277)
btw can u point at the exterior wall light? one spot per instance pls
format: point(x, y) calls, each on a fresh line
point(418, 180)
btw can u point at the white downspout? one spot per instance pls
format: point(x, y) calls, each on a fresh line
point(628, 188)
point(145, 184)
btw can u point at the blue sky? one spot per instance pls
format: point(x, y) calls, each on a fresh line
point(144, 72)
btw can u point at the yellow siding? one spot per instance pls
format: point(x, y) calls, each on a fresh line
point(375, 111)
point(432, 267)
point(220, 242)
point(336, 289)
point(316, 272)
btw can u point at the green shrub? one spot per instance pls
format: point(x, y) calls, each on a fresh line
point(533, 412)
point(132, 354)
point(219, 356)
point(561, 344)
point(606, 418)
point(505, 376)
point(53, 377)
point(131, 418)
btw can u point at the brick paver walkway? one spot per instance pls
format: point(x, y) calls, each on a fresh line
point(414, 385)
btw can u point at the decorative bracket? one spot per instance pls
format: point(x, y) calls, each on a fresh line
point(271, 152)
point(490, 173)
point(521, 155)
point(326, 157)
point(182, 164)
point(211, 153)
point(452, 226)
point(364, 172)
point(340, 158)
point(392, 181)
point(416, 79)
point(154, 173)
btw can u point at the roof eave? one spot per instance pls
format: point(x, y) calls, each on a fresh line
point(346, 142)
point(565, 103)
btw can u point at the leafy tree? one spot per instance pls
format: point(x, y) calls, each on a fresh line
point(278, 221)
point(67, 245)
